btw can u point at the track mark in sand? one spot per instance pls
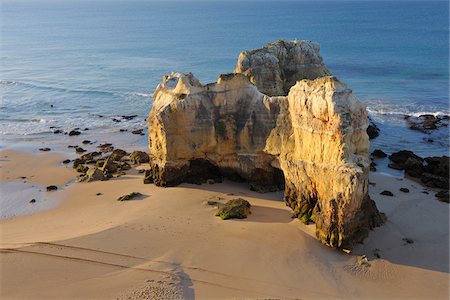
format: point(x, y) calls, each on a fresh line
point(82, 260)
point(87, 249)
point(77, 256)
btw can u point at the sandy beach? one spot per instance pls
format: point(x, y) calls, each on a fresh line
point(169, 245)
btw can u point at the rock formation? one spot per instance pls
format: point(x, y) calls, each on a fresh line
point(311, 142)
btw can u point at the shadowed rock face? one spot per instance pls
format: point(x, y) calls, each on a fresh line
point(312, 142)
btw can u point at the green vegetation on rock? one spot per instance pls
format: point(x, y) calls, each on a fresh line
point(220, 128)
point(234, 209)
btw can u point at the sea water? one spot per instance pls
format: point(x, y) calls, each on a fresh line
point(77, 63)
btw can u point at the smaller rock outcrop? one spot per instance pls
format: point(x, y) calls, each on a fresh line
point(377, 153)
point(432, 171)
point(372, 130)
point(234, 209)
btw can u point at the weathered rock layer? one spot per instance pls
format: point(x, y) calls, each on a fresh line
point(312, 142)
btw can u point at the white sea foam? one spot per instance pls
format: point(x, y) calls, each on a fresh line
point(141, 94)
point(381, 108)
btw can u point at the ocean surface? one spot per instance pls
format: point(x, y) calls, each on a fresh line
point(76, 63)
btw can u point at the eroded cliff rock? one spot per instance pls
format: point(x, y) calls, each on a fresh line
point(276, 67)
point(312, 142)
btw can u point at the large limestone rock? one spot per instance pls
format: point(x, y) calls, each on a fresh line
point(275, 68)
point(312, 142)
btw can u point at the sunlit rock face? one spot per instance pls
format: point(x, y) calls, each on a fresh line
point(312, 143)
point(276, 67)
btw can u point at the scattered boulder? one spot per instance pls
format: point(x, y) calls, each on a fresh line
point(387, 193)
point(80, 150)
point(44, 149)
point(139, 157)
point(51, 188)
point(33, 201)
point(109, 166)
point(124, 166)
point(74, 132)
point(130, 196)
point(90, 157)
point(99, 163)
point(104, 145)
point(57, 131)
point(414, 167)
point(78, 161)
point(138, 131)
point(437, 165)
point(377, 153)
point(400, 157)
point(86, 142)
point(66, 161)
point(404, 190)
point(234, 209)
point(130, 117)
point(432, 180)
point(81, 168)
point(105, 148)
point(117, 154)
point(372, 131)
point(93, 174)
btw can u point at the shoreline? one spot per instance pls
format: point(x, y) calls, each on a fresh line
point(169, 243)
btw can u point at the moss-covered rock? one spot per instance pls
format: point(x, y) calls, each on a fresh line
point(234, 209)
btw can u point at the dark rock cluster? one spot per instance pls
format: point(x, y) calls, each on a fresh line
point(94, 166)
point(427, 122)
point(432, 171)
